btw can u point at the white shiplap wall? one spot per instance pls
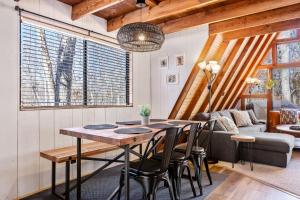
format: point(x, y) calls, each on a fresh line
point(23, 134)
point(190, 43)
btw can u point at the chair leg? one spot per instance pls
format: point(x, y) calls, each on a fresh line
point(207, 170)
point(199, 162)
point(171, 191)
point(191, 180)
point(152, 192)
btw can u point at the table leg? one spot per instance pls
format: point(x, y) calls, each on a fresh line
point(127, 187)
point(78, 168)
point(234, 154)
point(251, 156)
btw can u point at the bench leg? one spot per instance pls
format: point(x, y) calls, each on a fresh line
point(53, 183)
point(67, 183)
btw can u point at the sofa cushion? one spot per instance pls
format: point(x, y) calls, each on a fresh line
point(242, 118)
point(252, 116)
point(253, 128)
point(215, 115)
point(219, 126)
point(228, 124)
point(277, 142)
point(226, 113)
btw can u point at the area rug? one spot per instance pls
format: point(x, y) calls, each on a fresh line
point(102, 185)
point(287, 179)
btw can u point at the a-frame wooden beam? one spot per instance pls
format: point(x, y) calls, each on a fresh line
point(203, 84)
point(252, 70)
point(222, 72)
point(229, 92)
point(151, 3)
point(91, 6)
point(158, 13)
point(224, 12)
point(191, 78)
point(236, 66)
point(258, 19)
point(254, 64)
point(262, 30)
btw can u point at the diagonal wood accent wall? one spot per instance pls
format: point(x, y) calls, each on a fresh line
point(238, 58)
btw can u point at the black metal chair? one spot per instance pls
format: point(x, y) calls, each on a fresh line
point(199, 152)
point(148, 172)
point(180, 161)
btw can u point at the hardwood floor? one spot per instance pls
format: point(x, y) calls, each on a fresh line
point(240, 187)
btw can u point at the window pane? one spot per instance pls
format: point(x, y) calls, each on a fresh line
point(268, 58)
point(287, 34)
point(107, 75)
point(262, 75)
point(260, 107)
point(288, 52)
point(286, 92)
point(51, 68)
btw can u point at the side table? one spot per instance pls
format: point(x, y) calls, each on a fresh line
point(249, 140)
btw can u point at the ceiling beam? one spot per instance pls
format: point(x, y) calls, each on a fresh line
point(158, 13)
point(91, 6)
point(246, 64)
point(203, 83)
point(258, 19)
point(220, 13)
point(242, 81)
point(240, 61)
point(191, 78)
point(219, 77)
point(262, 30)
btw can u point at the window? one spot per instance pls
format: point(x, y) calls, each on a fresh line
point(58, 70)
point(288, 52)
point(286, 92)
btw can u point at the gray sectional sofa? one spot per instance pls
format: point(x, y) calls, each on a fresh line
point(269, 148)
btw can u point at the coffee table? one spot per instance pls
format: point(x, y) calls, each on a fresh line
point(285, 128)
point(249, 140)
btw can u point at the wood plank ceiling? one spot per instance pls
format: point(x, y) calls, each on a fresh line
point(240, 34)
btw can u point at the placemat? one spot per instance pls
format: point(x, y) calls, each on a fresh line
point(176, 123)
point(100, 126)
point(132, 130)
point(160, 126)
point(138, 122)
point(295, 128)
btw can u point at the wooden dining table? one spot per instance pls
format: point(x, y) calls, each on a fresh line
point(124, 141)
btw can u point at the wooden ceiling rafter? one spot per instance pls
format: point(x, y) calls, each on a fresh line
point(203, 84)
point(91, 6)
point(224, 12)
point(248, 47)
point(158, 13)
point(250, 56)
point(210, 53)
point(257, 19)
point(254, 69)
point(191, 78)
point(250, 70)
point(222, 73)
point(262, 30)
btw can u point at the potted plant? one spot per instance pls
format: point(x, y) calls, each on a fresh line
point(145, 112)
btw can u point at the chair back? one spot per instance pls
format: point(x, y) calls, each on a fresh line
point(205, 134)
point(193, 133)
point(168, 139)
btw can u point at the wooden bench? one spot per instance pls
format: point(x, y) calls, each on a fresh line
point(68, 155)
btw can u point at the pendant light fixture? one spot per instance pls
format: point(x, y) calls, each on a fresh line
point(140, 36)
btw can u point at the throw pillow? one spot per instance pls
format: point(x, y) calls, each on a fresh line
point(229, 124)
point(288, 116)
point(226, 113)
point(242, 118)
point(215, 115)
point(219, 126)
point(252, 116)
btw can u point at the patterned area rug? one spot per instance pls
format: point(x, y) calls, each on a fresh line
point(287, 179)
point(102, 185)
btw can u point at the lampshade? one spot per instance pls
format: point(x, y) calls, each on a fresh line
point(140, 37)
point(141, 3)
point(212, 66)
point(202, 65)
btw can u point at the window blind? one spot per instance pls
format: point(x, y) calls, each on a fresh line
point(61, 70)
